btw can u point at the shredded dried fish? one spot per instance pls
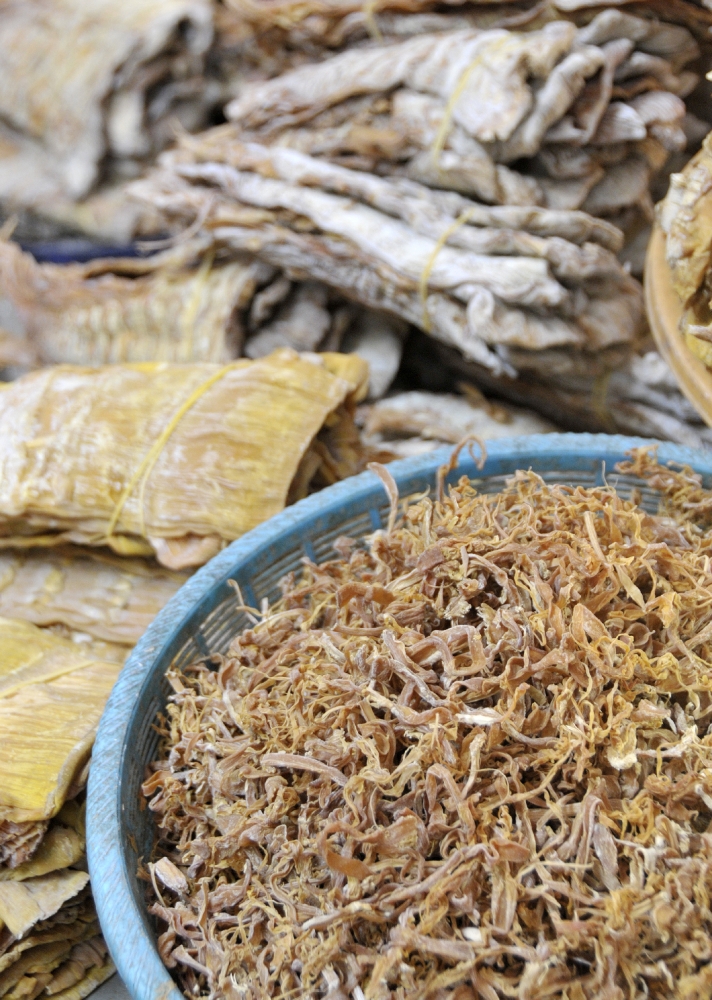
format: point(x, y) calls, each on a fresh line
point(470, 758)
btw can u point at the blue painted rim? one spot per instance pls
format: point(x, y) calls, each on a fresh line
point(123, 921)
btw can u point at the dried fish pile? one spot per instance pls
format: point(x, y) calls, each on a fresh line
point(509, 277)
point(686, 218)
point(411, 423)
point(470, 759)
point(98, 106)
point(588, 116)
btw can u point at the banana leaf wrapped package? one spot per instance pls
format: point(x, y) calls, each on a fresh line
point(171, 460)
point(175, 306)
point(104, 596)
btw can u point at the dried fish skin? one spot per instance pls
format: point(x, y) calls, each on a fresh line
point(483, 288)
point(302, 323)
point(68, 113)
point(52, 694)
point(107, 598)
point(60, 848)
point(19, 841)
point(440, 812)
point(24, 904)
point(96, 480)
point(170, 307)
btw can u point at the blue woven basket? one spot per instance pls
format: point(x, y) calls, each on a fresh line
point(201, 618)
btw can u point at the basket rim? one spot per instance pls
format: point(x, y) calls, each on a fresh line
point(133, 950)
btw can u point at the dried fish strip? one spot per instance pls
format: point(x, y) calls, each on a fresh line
point(141, 65)
point(108, 598)
point(52, 694)
point(177, 306)
point(165, 460)
point(450, 109)
point(469, 758)
point(406, 249)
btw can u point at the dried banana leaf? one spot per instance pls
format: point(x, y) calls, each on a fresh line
point(176, 306)
point(108, 598)
point(61, 847)
point(24, 904)
point(52, 694)
point(171, 460)
point(121, 72)
point(399, 246)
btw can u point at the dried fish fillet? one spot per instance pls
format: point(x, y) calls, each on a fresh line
point(110, 599)
point(157, 459)
point(52, 694)
point(178, 306)
point(470, 757)
point(398, 246)
point(415, 422)
point(141, 64)
point(451, 108)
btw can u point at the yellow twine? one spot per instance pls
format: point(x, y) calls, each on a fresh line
point(143, 471)
point(425, 276)
point(369, 11)
point(444, 128)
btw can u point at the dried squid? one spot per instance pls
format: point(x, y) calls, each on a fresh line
point(469, 758)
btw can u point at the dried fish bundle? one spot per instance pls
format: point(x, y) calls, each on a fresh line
point(105, 597)
point(468, 759)
point(618, 390)
point(181, 305)
point(411, 423)
point(477, 277)
point(686, 219)
point(558, 116)
point(52, 694)
point(101, 102)
point(169, 460)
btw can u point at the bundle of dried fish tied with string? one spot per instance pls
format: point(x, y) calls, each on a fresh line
point(469, 758)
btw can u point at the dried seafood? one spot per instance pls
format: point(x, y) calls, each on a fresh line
point(625, 392)
point(411, 423)
point(170, 460)
point(686, 218)
point(52, 694)
point(105, 597)
point(100, 101)
point(588, 115)
point(476, 277)
point(181, 305)
point(471, 759)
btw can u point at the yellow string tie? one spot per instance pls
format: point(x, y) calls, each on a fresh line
point(144, 470)
point(369, 17)
point(456, 94)
point(430, 263)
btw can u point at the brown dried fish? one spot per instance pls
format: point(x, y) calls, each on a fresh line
point(469, 759)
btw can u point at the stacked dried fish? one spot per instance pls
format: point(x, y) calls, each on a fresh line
point(99, 104)
point(558, 116)
point(686, 219)
point(470, 759)
point(170, 460)
point(509, 277)
point(411, 423)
